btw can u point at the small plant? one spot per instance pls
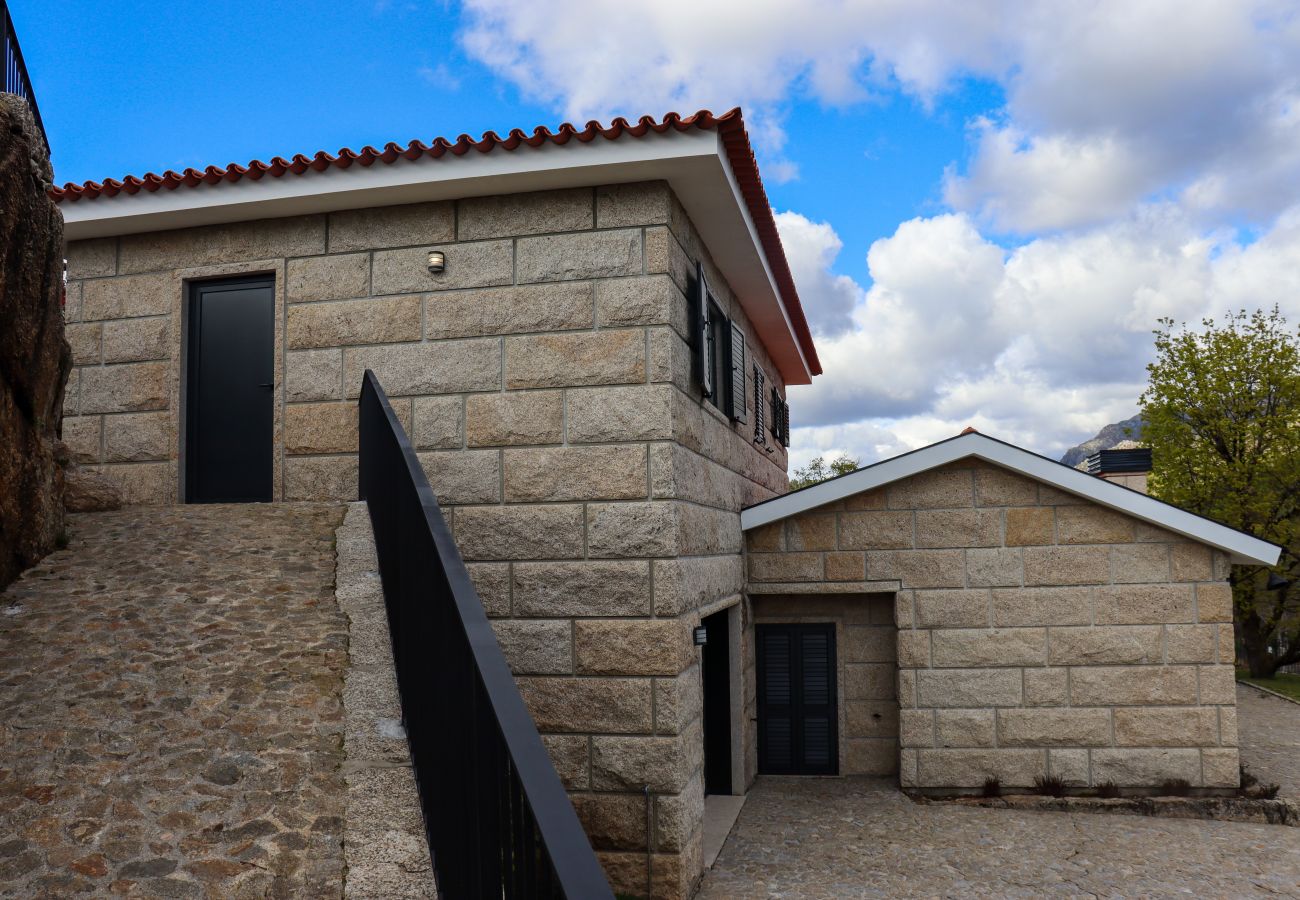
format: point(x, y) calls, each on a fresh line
point(1175, 787)
point(1250, 787)
point(1050, 785)
point(992, 787)
point(61, 541)
point(1108, 789)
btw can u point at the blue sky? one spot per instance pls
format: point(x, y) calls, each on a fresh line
point(987, 204)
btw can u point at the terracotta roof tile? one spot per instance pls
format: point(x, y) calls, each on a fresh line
point(730, 126)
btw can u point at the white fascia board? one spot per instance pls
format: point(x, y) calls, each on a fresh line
point(1241, 547)
point(694, 164)
point(573, 164)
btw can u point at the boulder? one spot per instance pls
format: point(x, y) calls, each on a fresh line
point(35, 359)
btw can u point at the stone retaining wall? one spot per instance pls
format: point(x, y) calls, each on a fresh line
point(384, 844)
point(545, 379)
point(1039, 634)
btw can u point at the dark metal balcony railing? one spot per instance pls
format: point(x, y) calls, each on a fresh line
point(498, 820)
point(16, 79)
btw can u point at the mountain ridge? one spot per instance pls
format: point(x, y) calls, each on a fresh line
point(1110, 435)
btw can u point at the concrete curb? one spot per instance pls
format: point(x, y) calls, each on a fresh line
point(384, 844)
point(1222, 809)
point(1264, 690)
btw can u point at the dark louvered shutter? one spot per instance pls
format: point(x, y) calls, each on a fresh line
point(797, 711)
point(817, 673)
point(760, 408)
point(776, 700)
point(703, 361)
point(780, 419)
point(736, 395)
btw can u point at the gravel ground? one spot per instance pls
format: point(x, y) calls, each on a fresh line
point(170, 708)
point(1269, 731)
point(852, 837)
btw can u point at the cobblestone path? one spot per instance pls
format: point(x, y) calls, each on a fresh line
point(851, 837)
point(1268, 728)
point(170, 718)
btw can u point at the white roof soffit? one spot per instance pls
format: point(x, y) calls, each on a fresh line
point(693, 162)
point(1240, 546)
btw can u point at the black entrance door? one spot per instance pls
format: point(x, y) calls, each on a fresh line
point(797, 717)
point(717, 705)
point(228, 420)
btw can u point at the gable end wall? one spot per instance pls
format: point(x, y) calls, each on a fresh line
point(1038, 634)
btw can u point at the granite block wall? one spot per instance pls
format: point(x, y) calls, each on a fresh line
point(1038, 633)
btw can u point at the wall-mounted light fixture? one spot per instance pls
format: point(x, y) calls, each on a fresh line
point(437, 262)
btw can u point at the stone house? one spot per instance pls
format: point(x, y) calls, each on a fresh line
point(588, 335)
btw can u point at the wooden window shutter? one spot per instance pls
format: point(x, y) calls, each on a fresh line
point(737, 396)
point(760, 408)
point(785, 424)
point(703, 358)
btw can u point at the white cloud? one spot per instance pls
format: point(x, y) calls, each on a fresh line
point(1027, 184)
point(1041, 345)
point(811, 248)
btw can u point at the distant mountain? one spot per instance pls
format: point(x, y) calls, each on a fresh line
point(1108, 437)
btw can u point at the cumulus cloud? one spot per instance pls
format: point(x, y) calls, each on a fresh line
point(1041, 344)
point(812, 248)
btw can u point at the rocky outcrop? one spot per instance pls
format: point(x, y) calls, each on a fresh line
point(34, 356)
point(1106, 439)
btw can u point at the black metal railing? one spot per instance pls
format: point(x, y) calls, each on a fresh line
point(16, 79)
point(498, 820)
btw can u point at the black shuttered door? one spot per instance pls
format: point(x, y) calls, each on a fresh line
point(797, 717)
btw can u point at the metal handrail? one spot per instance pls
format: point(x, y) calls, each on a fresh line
point(16, 78)
point(498, 820)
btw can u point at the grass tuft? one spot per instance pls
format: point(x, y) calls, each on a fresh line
point(1050, 785)
point(992, 787)
point(1108, 789)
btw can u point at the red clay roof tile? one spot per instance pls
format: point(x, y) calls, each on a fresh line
point(730, 126)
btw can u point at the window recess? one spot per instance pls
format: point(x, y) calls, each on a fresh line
point(719, 351)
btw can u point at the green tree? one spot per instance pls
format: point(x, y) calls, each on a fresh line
point(1222, 411)
point(820, 470)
